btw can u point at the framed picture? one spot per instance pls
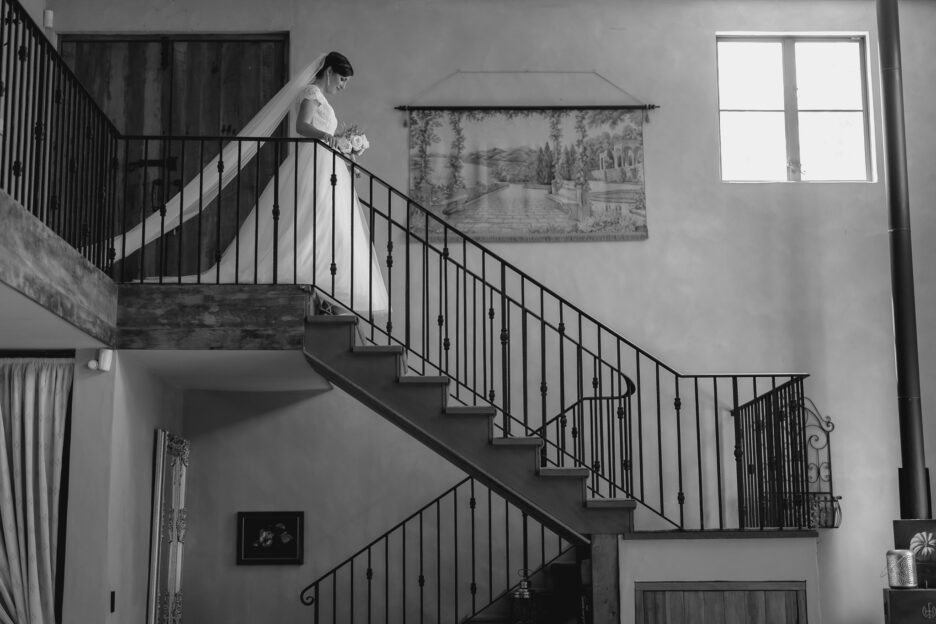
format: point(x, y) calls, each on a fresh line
point(527, 174)
point(269, 537)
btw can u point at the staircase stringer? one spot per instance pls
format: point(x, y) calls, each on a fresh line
point(367, 397)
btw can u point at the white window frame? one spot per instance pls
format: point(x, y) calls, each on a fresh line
point(790, 105)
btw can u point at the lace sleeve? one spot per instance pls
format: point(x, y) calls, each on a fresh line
point(313, 94)
point(319, 111)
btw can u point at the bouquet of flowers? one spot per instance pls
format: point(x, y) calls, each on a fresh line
point(352, 140)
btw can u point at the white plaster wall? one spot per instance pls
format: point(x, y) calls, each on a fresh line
point(353, 474)
point(734, 277)
point(791, 559)
point(142, 404)
point(87, 539)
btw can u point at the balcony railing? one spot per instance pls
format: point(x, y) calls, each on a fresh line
point(551, 370)
point(58, 150)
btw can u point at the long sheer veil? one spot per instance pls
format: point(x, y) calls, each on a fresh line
point(185, 204)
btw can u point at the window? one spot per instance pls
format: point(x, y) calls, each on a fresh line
point(793, 108)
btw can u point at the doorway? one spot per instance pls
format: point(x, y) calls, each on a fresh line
point(179, 86)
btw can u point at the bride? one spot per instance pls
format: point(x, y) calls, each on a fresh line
point(320, 228)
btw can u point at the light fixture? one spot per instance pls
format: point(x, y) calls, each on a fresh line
point(104, 360)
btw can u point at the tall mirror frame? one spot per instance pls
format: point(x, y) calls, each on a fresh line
point(167, 529)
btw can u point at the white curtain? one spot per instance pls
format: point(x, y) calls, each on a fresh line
point(34, 399)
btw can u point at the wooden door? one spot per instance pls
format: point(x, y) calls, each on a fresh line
point(721, 603)
point(182, 86)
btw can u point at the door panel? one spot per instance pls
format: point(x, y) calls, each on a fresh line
point(736, 603)
point(184, 86)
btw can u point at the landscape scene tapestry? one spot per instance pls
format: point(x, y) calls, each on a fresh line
point(530, 175)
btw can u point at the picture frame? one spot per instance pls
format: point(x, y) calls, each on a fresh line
point(270, 537)
point(528, 174)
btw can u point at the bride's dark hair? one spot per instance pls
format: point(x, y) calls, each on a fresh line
point(339, 64)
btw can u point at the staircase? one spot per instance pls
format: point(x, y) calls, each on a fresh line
point(465, 435)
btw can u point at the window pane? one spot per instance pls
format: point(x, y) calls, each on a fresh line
point(753, 146)
point(828, 75)
point(832, 146)
point(750, 75)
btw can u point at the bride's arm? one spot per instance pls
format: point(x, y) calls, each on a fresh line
point(306, 129)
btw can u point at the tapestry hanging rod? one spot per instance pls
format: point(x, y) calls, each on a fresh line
point(644, 107)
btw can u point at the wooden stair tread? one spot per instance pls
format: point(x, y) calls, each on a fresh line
point(365, 349)
point(578, 473)
point(470, 410)
point(332, 319)
point(611, 503)
point(511, 441)
point(423, 379)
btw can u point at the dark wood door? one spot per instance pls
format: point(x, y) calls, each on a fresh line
point(183, 86)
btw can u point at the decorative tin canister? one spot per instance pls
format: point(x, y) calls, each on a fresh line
point(901, 569)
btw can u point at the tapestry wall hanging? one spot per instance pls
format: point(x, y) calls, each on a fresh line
point(524, 174)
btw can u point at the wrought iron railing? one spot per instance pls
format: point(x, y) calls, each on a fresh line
point(783, 456)
point(503, 338)
point(446, 562)
point(57, 149)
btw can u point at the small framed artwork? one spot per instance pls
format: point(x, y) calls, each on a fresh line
point(269, 537)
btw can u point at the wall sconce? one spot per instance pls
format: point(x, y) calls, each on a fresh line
point(104, 360)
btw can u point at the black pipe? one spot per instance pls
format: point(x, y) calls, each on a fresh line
point(914, 489)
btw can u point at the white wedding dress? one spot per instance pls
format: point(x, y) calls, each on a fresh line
point(307, 258)
point(312, 214)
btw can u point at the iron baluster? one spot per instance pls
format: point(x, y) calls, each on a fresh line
point(681, 495)
point(179, 230)
point(490, 566)
point(492, 394)
point(370, 582)
point(472, 503)
point(544, 387)
point(425, 294)
point(332, 210)
point(421, 580)
point(237, 220)
point(144, 213)
point(314, 146)
point(296, 147)
point(406, 275)
point(438, 509)
point(523, 350)
point(505, 350)
point(455, 540)
point(444, 267)
point(640, 436)
point(256, 251)
point(698, 422)
point(352, 195)
point(201, 206)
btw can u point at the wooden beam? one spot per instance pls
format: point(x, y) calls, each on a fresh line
point(42, 266)
point(211, 316)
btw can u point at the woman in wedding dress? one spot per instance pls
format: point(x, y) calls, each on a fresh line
point(318, 227)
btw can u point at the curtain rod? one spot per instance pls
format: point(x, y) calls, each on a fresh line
point(646, 107)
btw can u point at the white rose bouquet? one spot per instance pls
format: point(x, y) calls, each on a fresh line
point(352, 141)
